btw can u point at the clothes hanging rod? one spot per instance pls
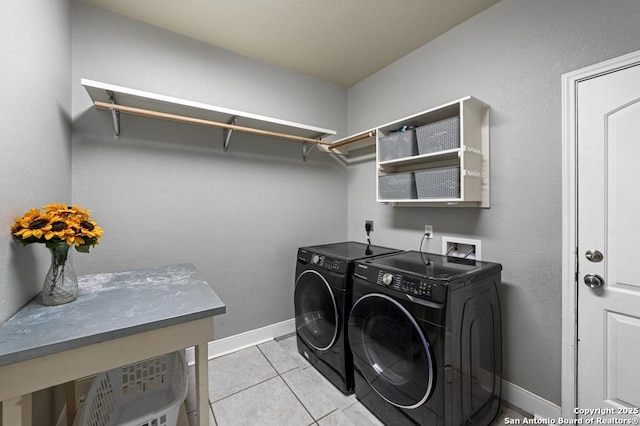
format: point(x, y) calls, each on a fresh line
point(202, 122)
point(352, 139)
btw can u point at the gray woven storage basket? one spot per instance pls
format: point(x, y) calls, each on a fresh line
point(439, 136)
point(443, 182)
point(398, 186)
point(398, 145)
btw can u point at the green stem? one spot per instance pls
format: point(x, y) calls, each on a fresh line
point(59, 255)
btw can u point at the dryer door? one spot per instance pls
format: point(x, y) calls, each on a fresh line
point(317, 318)
point(391, 351)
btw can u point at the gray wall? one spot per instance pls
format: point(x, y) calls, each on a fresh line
point(167, 193)
point(512, 57)
point(35, 158)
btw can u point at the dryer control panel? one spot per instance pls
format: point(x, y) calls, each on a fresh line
point(423, 288)
point(326, 262)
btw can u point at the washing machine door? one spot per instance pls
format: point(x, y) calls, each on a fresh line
point(317, 319)
point(391, 351)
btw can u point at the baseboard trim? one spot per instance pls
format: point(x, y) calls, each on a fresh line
point(244, 340)
point(529, 402)
point(513, 394)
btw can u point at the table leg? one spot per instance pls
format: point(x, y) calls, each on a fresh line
point(202, 383)
point(17, 411)
point(70, 392)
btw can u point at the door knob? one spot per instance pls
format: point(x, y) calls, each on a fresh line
point(593, 280)
point(594, 255)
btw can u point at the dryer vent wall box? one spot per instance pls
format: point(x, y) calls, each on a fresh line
point(465, 248)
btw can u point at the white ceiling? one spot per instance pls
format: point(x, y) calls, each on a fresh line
point(340, 41)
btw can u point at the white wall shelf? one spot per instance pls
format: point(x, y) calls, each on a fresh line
point(402, 163)
point(471, 155)
point(398, 179)
point(122, 99)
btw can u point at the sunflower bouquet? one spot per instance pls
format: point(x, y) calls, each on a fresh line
point(59, 227)
point(56, 225)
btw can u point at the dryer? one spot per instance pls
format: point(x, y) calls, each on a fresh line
point(322, 298)
point(425, 334)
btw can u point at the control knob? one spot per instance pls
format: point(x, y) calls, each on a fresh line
point(315, 259)
point(387, 278)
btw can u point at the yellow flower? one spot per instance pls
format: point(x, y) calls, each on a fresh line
point(56, 223)
point(58, 229)
point(33, 224)
point(81, 212)
point(55, 207)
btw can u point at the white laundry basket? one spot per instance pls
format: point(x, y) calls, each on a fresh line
point(146, 393)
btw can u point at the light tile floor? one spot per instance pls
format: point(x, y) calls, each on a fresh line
point(272, 384)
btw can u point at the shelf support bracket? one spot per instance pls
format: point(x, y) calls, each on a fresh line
point(306, 150)
point(227, 133)
point(115, 115)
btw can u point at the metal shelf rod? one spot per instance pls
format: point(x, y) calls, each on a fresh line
point(355, 138)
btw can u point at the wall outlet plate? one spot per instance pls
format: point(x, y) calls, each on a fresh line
point(428, 231)
point(368, 222)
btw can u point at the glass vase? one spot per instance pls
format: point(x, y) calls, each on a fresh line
point(61, 282)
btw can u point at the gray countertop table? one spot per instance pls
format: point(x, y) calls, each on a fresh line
point(119, 318)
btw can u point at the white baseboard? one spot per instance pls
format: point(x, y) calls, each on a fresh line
point(513, 394)
point(244, 340)
point(528, 401)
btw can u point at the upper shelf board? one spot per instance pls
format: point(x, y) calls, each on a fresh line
point(431, 115)
point(166, 104)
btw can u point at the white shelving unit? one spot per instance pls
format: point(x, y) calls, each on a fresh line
point(118, 99)
point(471, 157)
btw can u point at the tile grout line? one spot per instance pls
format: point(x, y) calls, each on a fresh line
point(504, 404)
point(292, 391)
point(241, 390)
point(256, 384)
point(279, 375)
point(287, 384)
point(212, 412)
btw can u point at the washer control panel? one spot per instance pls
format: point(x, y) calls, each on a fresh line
point(413, 285)
point(325, 262)
point(405, 284)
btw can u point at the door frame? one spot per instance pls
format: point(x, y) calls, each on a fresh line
point(569, 220)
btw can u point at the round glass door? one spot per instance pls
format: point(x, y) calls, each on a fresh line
point(391, 351)
point(316, 310)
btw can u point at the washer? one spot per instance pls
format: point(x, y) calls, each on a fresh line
point(425, 334)
point(322, 299)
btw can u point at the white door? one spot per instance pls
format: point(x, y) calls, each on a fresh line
point(608, 210)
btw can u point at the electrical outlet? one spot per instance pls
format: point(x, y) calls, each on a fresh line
point(428, 231)
point(368, 223)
